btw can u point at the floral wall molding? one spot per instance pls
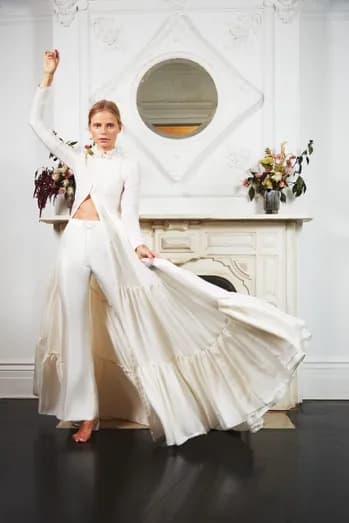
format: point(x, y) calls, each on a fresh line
point(244, 26)
point(177, 29)
point(107, 30)
point(238, 160)
point(66, 10)
point(286, 9)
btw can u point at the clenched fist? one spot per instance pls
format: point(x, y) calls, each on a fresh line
point(51, 61)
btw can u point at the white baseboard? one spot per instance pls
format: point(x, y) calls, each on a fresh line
point(323, 380)
point(16, 380)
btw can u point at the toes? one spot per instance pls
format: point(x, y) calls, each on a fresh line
point(84, 433)
point(81, 436)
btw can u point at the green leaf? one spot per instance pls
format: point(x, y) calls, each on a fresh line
point(299, 187)
point(251, 192)
point(282, 197)
point(299, 183)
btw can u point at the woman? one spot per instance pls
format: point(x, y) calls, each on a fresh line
point(178, 354)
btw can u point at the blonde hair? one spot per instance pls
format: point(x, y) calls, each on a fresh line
point(105, 105)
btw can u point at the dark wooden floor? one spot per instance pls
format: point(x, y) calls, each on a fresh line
point(273, 476)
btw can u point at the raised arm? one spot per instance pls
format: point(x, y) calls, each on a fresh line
point(60, 149)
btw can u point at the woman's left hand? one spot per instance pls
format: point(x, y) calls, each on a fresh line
point(143, 251)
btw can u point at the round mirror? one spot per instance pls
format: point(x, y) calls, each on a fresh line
point(177, 98)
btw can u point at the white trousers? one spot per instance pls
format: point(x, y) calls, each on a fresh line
point(83, 251)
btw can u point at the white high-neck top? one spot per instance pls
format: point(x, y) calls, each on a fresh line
point(112, 179)
point(98, 153)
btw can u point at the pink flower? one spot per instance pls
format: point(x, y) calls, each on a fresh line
point(258, 175)
point(245, 182)
point(89, 149)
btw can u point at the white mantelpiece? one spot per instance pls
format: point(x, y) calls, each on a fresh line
point(257, 254)
point(250, 217)
point(226, 217)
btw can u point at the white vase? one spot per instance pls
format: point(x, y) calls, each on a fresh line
point(61, 206)
point(259, 204)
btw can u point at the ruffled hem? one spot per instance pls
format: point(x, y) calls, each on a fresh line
point(184, 398)
point(211, 390)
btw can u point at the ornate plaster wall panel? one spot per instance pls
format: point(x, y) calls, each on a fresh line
point(239, 43)
point(179, 160)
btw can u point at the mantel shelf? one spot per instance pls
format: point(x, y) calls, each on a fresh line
point(251, 217)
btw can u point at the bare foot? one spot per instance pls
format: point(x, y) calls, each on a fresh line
point(85, 431)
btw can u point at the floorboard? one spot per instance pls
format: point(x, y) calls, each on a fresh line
point(273, 476)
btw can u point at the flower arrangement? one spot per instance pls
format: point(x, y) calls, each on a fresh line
point(279, 171)
point(52, 181)
point(89, 150)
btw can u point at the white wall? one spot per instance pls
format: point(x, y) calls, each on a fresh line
point(325, 242)
point(299, 86)
point(27, 247)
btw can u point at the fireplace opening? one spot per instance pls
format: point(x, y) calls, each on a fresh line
point(218, 280)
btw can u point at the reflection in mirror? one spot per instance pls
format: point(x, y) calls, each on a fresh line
point(177, 98)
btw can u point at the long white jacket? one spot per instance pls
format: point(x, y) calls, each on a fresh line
point(173, 351)
point(115, 182)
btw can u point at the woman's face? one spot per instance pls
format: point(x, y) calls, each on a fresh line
point(104, 129)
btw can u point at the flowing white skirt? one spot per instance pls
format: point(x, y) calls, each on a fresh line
point(177, 354)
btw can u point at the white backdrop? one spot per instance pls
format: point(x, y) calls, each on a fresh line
point(279, 71)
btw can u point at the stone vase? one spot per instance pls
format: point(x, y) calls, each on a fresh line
point(271, 201)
